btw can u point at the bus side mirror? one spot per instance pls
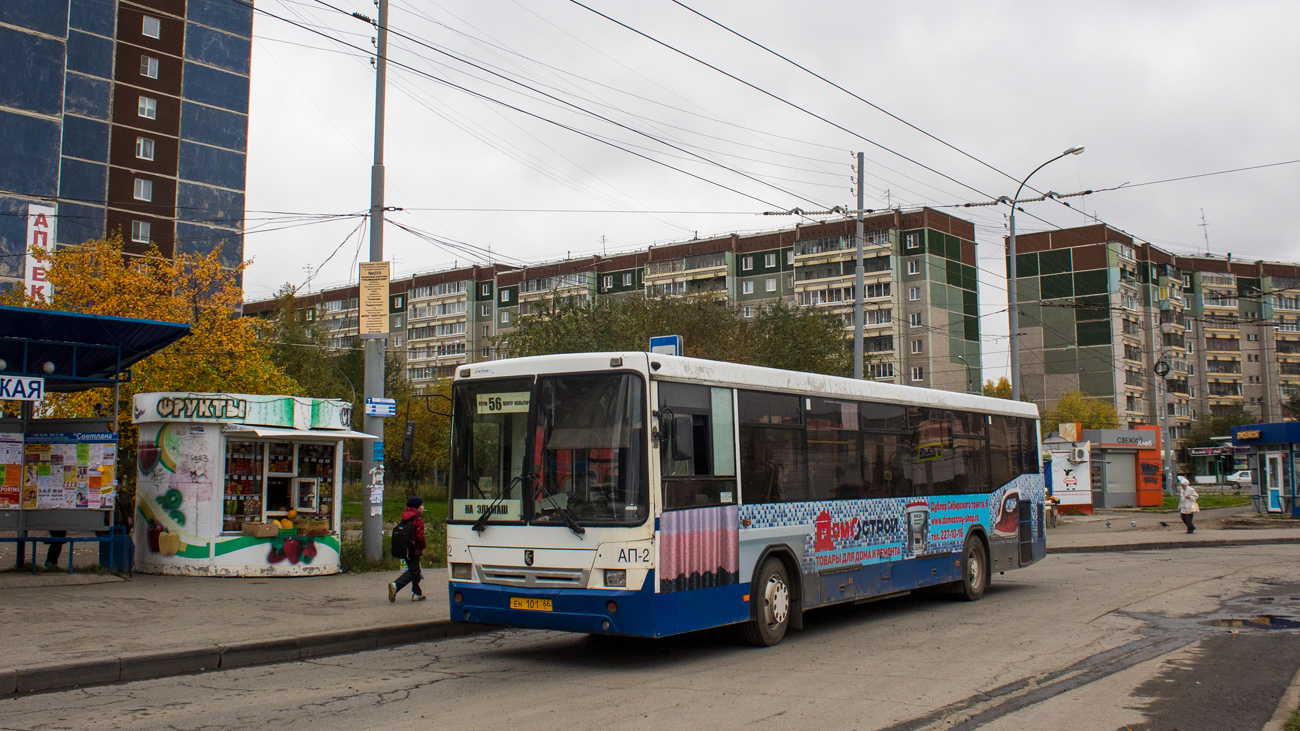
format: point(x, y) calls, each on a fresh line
point(683, 438)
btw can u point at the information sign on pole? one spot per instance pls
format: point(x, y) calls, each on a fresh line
point(383, 407)
point(374, 299)
point(666, 344)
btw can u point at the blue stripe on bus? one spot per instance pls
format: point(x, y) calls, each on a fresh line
point(584, 610)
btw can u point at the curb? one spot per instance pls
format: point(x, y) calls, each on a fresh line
point(167, 663)
point(1167, 545)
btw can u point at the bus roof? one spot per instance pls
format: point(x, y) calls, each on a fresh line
point(678, 368)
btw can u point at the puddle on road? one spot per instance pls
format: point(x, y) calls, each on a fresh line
point(1261, 621)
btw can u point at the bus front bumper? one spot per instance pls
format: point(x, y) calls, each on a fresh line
point(600, 611)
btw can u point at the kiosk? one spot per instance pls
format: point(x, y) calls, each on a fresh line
point(238, 484)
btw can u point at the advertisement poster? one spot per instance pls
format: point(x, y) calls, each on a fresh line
point(11, 470)
point(68, 471)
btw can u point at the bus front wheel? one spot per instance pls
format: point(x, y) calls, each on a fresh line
point(770, 597)
point(974, 570)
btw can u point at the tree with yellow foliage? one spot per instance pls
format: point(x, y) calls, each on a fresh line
point(1076, 406)
point(223, 352)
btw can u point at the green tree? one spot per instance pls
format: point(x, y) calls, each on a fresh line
point(1001, 389)
point(1092, 412)
point(778, 336)
point(1217, 423)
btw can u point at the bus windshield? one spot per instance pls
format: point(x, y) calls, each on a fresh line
point(591, 449)
point(489, 430)
point(572, 446)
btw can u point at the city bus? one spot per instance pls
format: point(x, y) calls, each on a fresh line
point(643, 494)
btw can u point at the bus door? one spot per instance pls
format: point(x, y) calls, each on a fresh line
point(698, 530)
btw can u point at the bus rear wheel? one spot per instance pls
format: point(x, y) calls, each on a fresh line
point(769, 595)
point(974, 570)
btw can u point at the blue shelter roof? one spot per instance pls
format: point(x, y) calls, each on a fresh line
point(1280, 432)
point(88, 351)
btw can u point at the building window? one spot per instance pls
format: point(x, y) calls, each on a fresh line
point(505, 295)
point(913, 240)
point(149, 67)
point(505, 317)
point(769, 260)
point(789, 257)
point(486, 290)
point(913, 293)
point(397, 341)
point(747, 263)
point(747, 288)
point(144, 148)
point(913, 267)
point(152, 27)
point(918, 373)
point(148, 107)
point(916, 347)
point(749, 311)
point(140, 232)
point(914, 319)
point(143, 189)
point(485, 310)
point(608, 281)
point(486, 330)
point(789, 281)
point(627, 279)
point(770, 284)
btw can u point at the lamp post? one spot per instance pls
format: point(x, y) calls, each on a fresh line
point(962, 358)
point(1013, 308)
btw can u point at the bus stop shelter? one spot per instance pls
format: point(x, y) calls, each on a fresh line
point(48, 466)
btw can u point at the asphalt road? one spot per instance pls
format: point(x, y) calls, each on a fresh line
point(1142, 640)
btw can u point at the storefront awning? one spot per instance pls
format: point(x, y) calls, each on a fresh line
point(272, 431)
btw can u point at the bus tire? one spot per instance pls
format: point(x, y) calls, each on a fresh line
point(770, 597)
point(974, 570)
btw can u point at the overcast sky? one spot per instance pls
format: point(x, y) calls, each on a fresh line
point(576, 135)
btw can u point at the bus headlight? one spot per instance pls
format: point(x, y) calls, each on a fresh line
point(462, 571)
point(616, 577)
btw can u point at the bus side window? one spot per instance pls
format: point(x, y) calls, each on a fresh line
point(1004, 437)
point(698, 456)
point(771, 448)
point(835, 469)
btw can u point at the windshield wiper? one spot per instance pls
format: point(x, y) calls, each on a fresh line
point(481, 524)
point(564, 513)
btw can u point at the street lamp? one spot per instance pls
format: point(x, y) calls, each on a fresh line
point(962, 358)
point(1013, 308)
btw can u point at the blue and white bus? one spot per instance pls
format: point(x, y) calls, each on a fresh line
point(643, 494)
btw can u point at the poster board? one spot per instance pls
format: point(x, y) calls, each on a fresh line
point(11, 470)
point(69, 470)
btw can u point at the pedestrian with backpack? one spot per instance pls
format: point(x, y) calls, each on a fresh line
point(408, 544)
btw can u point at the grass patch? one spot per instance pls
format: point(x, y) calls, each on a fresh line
point(1293, 723)
point(435, 503)
point(1207, 502)
point(352, 553)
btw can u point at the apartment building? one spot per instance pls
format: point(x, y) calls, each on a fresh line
point(921, 298)
point(1166, 338)
point(124, 116)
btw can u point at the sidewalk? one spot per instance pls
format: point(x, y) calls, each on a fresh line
point(88, 629)
point(66, 631)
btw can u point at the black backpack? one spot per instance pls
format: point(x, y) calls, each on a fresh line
point(402, 543)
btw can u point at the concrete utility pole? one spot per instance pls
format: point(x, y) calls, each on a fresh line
point(372, 521)
point(857, 291)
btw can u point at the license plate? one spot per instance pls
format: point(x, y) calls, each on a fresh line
point(535, 605)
